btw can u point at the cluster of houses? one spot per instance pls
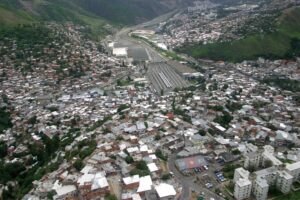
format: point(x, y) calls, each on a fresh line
point(206, 22)
point(135, 130)
point(148, 129)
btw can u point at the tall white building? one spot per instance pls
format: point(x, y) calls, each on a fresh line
point(269, 174)
point(284, 182)
point(294, 170)
point(260, 189)
point(268, 155)
point(240, 173)
point(252, 159)
point(242, 189)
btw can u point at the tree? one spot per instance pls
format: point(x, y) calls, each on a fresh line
point(78, 164)
point(251, 168)
point(129, 159)
point(157, 137)
point(32, 120)
point(160, 155)
point(224, 120)
point(114, 157)
point(225, 86)
point(268, 163)
point(161, 92)
point(110, 197)
point(166, 176)
point(119, 137)
point(236, 152)
point(267, 139)
point(122, 107)
point(5, 119)
point(3, 149)
point(202, 132)
point(141, 165)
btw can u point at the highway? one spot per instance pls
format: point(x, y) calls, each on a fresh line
point(162, 76)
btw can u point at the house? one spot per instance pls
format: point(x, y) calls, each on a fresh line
point(165, 191)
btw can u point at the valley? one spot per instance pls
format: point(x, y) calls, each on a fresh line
point(149, 100)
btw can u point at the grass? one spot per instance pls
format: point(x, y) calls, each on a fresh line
point(10, 17)
point(290, 196)
point(270, 45)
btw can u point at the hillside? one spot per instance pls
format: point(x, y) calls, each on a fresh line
point(283, 43)
point(124, 11)
point(91, 12)
point(14, 12)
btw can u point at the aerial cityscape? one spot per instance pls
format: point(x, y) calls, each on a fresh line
point(150, 99)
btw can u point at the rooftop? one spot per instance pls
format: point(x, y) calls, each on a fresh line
point(165, 190)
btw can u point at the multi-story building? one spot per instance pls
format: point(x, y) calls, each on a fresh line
point(268, 155)
point(269, 174)
point(260, 188)
point(252, 159)
point(284, 182)
point(242, 189)
point(294, 170)
point(240, 173)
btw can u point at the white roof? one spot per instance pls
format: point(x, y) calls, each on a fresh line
point(243, 182)
point(272, 158)
point(131, 179)
point(86, 178)
point(145, 184)
point(242, 172)
point(86, 169)
point(136, 197)
point(99, 183)
point(65, 190)
point(221, 128)
point(120, 51)
point(111, 44)
point(56, 185)
point(153, 156)
point(133, 149)
point(143, 148)
point(293, 166)
point(165, 190)
point(152, 167)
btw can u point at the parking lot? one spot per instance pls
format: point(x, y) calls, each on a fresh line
point(210, 178)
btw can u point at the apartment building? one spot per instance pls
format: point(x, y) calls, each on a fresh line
point(284, 181)
point(294, 170)
point(242, 189)
point(252, 159)
point(260, 189)
point(240, 173)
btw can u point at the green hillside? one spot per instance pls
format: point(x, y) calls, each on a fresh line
point(94, 13)
point(14, 12)
point(124, 11)
point(13, 17)
point(284, 43)
point(116, 11)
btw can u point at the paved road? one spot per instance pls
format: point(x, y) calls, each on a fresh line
point(188, 183)
point(158, 70)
